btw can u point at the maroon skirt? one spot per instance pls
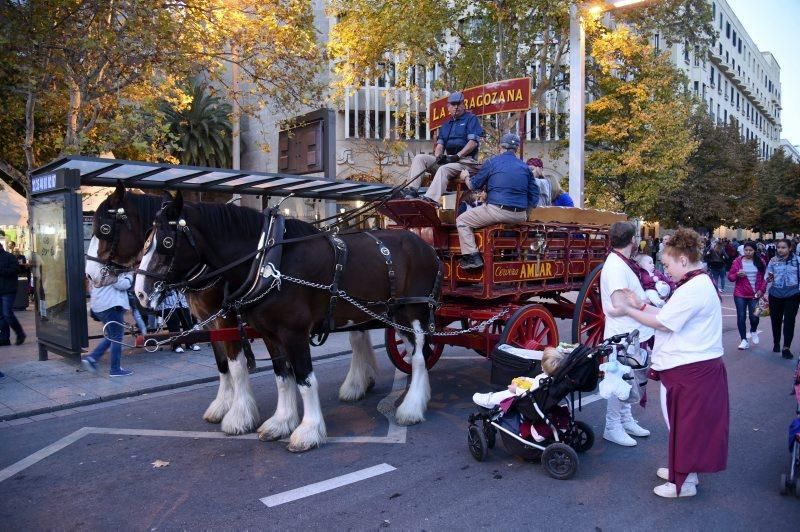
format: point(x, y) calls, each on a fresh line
point(698, 411)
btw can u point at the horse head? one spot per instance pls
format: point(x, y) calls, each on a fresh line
point(119, 226)
point(172, 252)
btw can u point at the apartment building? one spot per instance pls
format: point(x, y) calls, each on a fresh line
point(791, 150)
point(739, 83)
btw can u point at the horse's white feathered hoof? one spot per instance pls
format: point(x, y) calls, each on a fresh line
point(276, 428)
point(306, 437)
point(241, 418)
point(350, 392)
point(217, 410)
point(409, 415)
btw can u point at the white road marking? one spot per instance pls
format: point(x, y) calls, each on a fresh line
point(326, 485)
point(396, 434)
point(40, 455)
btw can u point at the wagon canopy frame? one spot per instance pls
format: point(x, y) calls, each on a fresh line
point(98, 171)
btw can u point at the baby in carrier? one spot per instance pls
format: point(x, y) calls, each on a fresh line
point(657, 286)
point(551, 358)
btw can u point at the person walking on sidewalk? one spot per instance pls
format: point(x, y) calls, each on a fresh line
point(783, 271)
point(109, 303)
point(747, 272)
point(620, 275)
point(715, 260)
point(9, 269)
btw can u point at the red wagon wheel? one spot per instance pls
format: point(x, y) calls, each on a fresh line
point(588, 320)
point(400, 356)
point(530, 327)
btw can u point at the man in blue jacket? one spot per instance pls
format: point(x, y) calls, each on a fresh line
point(456, 149)
point(511, 191)
point(9, 269)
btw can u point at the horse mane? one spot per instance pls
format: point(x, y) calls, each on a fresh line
point(147, 205)
point(223, 220)
point(297, 228)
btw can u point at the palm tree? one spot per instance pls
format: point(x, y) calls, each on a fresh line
point(203, 129)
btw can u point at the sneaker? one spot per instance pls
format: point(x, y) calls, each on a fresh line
point(20, 339)
point(776, 348)
point(670, 490)
point(691, 478)
point(178, 349)
point(744, 345)
point(619, 436)
point(483, 400)
point(120, 373)
point(787, 354)
point(2, 375)
point(195, 347)
point(633, 428)
point(4, 343)
point(754, 338)
point(90, 364)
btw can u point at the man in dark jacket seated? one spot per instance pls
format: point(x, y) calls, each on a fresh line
point(511, 191)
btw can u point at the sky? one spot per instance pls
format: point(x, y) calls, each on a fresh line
point(772, 25)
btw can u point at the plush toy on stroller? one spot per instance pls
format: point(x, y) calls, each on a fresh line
point(539, 423)
point(790, 483)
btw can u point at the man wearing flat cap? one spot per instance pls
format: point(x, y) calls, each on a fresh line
point(511, 191)
point(456, 150)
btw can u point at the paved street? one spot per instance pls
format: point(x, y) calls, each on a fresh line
point(92, 467)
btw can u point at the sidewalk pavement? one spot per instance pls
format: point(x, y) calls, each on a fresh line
point(40, 388)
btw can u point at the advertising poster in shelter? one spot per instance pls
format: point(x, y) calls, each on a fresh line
point(49, 264)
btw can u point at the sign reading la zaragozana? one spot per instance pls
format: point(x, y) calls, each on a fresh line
point(504, 96)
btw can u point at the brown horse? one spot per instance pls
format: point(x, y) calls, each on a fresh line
point(120, 226)
point(186, 235)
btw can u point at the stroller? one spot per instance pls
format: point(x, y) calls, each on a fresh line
point(545, 412)
point(789, 483)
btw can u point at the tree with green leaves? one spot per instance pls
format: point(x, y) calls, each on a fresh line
point(96, 64)
point(721, 174)
point(202, 128)
point(775, 196)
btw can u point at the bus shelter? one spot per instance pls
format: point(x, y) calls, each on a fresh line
point(57, 234)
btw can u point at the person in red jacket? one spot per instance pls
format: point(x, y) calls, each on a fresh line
point(747, 272)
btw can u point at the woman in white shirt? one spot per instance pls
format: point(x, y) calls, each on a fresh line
point(687, 358)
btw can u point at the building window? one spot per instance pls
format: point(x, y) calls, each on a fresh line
point(727, 30)
point(696, 87)
point(712, 77)
point(734, 37)
point(657, 42)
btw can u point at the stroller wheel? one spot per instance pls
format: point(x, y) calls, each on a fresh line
point(784, 484)
point(490, 433)
point(560, 461)
point(476, 440)
point(581, 437)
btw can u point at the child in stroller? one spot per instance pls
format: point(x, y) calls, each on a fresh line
point(790, 482)
point(521, 418)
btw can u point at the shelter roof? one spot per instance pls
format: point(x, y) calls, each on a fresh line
point(107, 172)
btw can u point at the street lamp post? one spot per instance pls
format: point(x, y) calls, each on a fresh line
point(577, 104)
point(577, 95)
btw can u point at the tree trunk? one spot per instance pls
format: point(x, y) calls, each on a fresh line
point(71, 143)
point(30, 129)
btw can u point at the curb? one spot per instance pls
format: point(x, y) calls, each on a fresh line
point(153, 389)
